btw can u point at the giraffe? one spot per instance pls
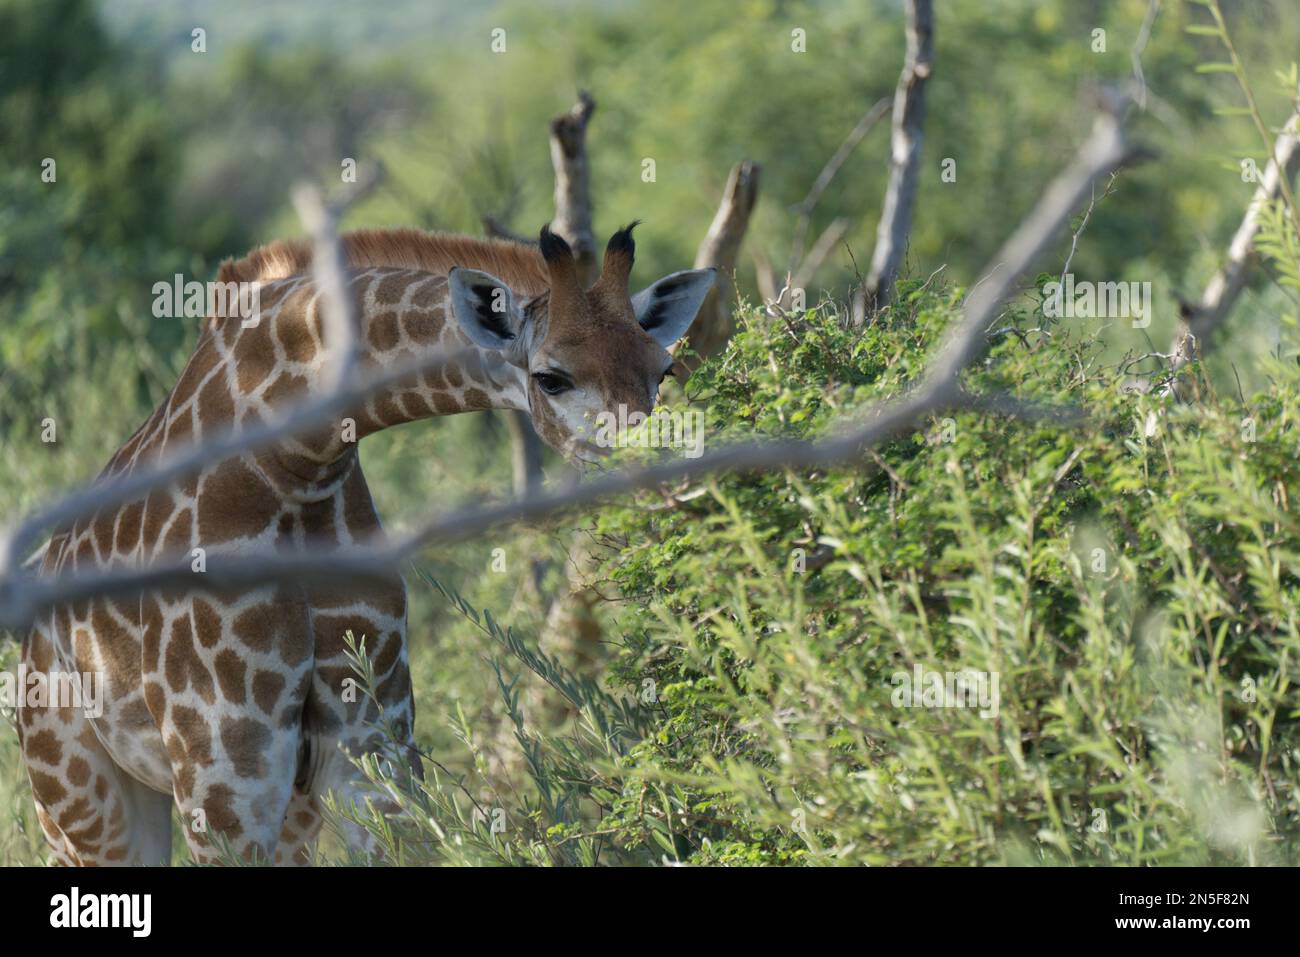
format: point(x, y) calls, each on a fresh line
point(228, 704)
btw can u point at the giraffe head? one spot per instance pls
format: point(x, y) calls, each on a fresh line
point(584, 351)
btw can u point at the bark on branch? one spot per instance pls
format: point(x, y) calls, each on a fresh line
point(905, 162)
point(720, 249)
point(573, 183)
point(1201, 319)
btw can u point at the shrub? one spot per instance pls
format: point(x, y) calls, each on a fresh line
point(1130, 581)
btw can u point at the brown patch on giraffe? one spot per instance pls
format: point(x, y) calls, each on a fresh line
point(387, 412)
point(475, 400)
point(217, 807)
point(256, 627)
point(416, 403)
point(444, 404)
point(231, 672)
point(382, 331)
point(44, 746)
point(391, 288)
point(286, 388)
point(127, 536)
point(101, 533)
point(46, 787)
point(178, 537)
point(78, 771)
point(215, 403)
point(295, 337)
point(40, 651)
point(431, 380)
point(235, 502)
point(245, 741)
point(83, 557)
point(183, 780)
point(267, 687)
point(78, 810)
point(193, 733)
point(422, 326)
point(86, 835)
point(204, 359)
point(181, 664)
point(158, 507)
point(119, 653)
point(207, 623)
point(155, 698)
point(151, 644)
point(429, 294)
point(358, 508)
point(255, 357)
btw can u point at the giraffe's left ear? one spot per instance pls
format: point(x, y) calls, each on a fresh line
point(485, 308)
point(667, 308)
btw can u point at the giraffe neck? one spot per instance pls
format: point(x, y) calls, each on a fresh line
point(404, 315)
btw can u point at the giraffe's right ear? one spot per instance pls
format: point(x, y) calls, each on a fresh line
point(485, 308)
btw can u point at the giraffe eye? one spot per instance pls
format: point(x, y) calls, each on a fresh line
point(550, 383)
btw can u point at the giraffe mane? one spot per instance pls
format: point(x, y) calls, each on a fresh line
point(519, 265)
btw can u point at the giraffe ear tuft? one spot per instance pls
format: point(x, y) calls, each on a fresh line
point(485, 308)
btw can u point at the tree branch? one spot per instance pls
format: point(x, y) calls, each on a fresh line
point(573, 183)
point(720, 249)
point(905, 162)
point(1200, 320)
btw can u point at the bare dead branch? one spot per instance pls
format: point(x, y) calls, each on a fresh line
point(573, 183)
point(821, 249)
point(1201, 319)
point(720, 250)
point(805, 209)
point(905, 162)
point(499, 230)
point(1083, 225)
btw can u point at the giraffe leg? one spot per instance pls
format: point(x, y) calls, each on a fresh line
point(227, 695)
point(302, 823)
point(341, 723)
point(91, 811)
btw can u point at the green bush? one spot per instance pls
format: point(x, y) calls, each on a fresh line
point(1131, 581)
